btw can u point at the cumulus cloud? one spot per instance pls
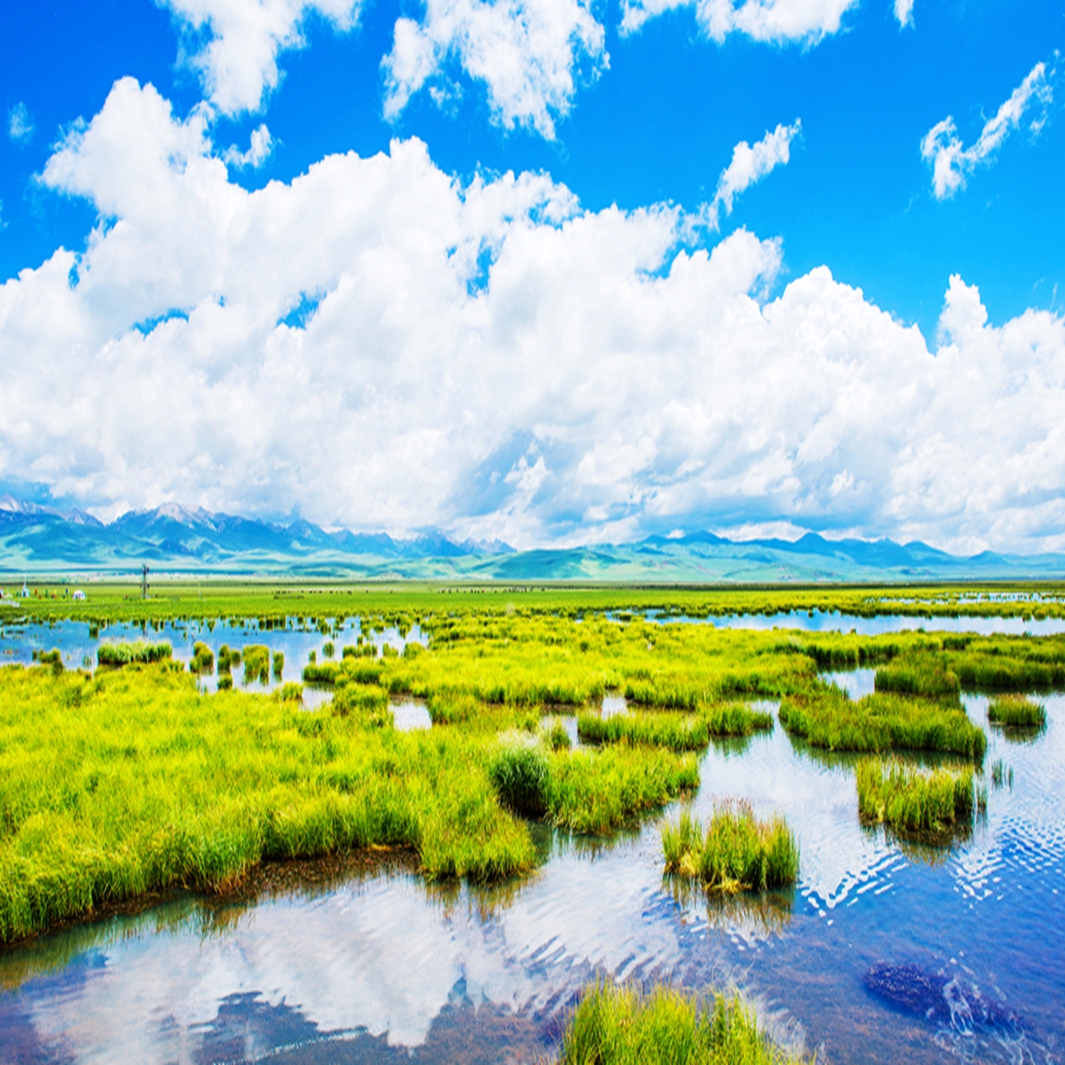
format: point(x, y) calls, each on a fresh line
point(778, 21)
point(952, 163)
point(904, 12)
point(19, 124)
point(233, 44)
point(603, 380)
point(526, 52)
point(262, 144)
point(751, 164)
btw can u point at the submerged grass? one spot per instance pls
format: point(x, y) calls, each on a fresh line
point(619, 1025)
point(735, 852)
point(1016, 711)
point(826, 717)
point(909, 799)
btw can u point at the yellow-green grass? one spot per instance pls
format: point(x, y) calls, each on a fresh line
point(677, 731)
point(1016, 711)
point(116, 655)
point(620, 1025)
point(923, 674)
point(736, 851)
point(826, 717)
point(596, 791)
point(132, 781)
point(910, 799)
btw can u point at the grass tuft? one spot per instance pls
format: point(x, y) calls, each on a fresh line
point(735, 852)
point(909, 799)
point(619, 1025)
point(1016, 711)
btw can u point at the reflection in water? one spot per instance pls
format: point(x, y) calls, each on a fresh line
point(750, 916)
point(365, 962)
point(857, 684)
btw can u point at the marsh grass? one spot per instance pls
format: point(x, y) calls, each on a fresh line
point(597, 791)
point(150, 785)
point(202, 659)
point(1016, 711)
point(620, 1025)
point(735, 852)
point(826, 717)
point(519, 773)
point(677, 731)
point(909, 799)
point(923, 674)
point(256, 658)
point(117, 655)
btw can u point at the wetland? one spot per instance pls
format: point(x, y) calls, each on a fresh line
point(437, 838)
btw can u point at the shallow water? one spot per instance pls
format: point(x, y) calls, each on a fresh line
point(382, 967)
point(78, 648)
point(819, 621)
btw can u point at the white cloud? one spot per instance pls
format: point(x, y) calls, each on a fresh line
point(526, 52)
point(904, 12)
point(19, 124)
point(601, 380)
point(234, 44)
point(778, 21)
point(262, 144)
point(750, 165)
point(952, 163)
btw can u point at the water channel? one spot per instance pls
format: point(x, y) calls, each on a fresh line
point(885, 951)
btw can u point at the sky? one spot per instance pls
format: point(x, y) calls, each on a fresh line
point(548, 271)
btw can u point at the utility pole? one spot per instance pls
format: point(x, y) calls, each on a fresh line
point(144, 581)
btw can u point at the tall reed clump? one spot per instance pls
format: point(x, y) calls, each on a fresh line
point(827, 717)
point(620, 1025)
point(1016, 711)
point(910, 799)
point(116, 655)
point(735, 852)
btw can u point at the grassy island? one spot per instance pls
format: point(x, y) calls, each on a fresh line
point(616, 1025)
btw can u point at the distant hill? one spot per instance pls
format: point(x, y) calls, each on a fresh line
point(172, 538)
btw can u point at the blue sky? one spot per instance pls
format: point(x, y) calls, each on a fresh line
point(511, 421)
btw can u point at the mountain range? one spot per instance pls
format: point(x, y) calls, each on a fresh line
point(177, 539)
